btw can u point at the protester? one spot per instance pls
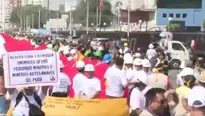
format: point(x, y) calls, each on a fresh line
point(159, 79)
point(91, 85)
point(136, 98)
point(187, 69)
point(155, 103)
point(115, 79)
point(189, 82)
point(79, 78)
point(61, 89)
point(146, 66)
point(151, 52)
point(194, 102)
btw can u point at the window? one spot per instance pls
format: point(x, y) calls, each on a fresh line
point(177, 47)
point(184, 15)
point(178, 15)
point(164, 15)
point(171, 15)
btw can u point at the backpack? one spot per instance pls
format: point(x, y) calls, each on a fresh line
point(33, 109)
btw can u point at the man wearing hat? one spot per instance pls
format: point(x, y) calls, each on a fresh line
point(146, 66)
point(61, 89)
point(79, 78)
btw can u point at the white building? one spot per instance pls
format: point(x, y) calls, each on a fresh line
point(70, 4)
point(5, 14)
point(56, 24)
point(32, 2)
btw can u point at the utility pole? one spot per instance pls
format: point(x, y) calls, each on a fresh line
point(32, 21)
point(128, 32)
point(39, 19)
point(97, 17)
point(87, 17)
point(70, 22)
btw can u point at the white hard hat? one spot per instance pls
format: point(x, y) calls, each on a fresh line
point(126, 49)
point(89, 67)
point(100, 48)
point(138, 62)
point(151, 46)
point(65, 51)
point(141, 77)
point(137, 55)
point(127, 55)
point(80, 64)
point(187, 71)
point(61, 65)
point(146, 63)
point(128, 60)
point(73, 51)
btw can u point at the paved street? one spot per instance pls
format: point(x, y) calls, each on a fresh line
point(173, 76)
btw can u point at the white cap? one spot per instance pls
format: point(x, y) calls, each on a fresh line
point(137, 55)
point(61, 64)
point(138, 62)
point(196, 97)
point(141, 77)
point(128, 60)
point(146, 63)
point(73, 51)
point(100, 48)
point(187, 71)
point(151, 46)
point(80, 64)
point(89, 67)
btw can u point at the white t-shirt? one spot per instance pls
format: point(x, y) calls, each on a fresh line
point(137, 99)
point(151, 53)
point(130, 74)
point(197, 93)
point(90, 87)
point(78, 81)
point(62, 85)
point(116, 80)
point(22, 108)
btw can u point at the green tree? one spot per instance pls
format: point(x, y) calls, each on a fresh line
point(31, 13)
point(80, 12)
point(204, 23)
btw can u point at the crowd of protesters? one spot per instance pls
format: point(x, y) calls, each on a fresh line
point(140, 77)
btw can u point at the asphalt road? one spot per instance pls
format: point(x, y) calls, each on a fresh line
point(173, 76)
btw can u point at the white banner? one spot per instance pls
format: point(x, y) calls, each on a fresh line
point(31, 68)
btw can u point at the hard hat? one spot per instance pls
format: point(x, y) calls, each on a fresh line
point(141, 77)
point(125, 44)
point(138, 62)
point(61, 65)
point(80, 64)
point(137, 55)
point(66, 51)
point(73, 51)
point(128, 60)
point(151, 46)
point(126, 50)
point(49, 46)
point(146, 63)
point(89, 67)
point(107, 58)
point(99, 53)
point(127, 55)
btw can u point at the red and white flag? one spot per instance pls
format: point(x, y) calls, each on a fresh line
point(101, 5)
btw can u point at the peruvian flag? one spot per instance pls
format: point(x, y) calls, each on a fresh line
point(101, 4)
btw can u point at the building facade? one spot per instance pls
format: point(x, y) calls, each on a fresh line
point(191, 17)
point(32, 2)
point(5, 11)
point(142, 14)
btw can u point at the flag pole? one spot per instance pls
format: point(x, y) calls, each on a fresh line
point(128, 32)
point(97, 13)
point(100, 18)
point(87, 16)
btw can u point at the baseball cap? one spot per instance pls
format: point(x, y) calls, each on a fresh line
point(202, 77)
point(187, 71)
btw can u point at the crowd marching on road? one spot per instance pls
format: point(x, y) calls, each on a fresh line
point(140, 77)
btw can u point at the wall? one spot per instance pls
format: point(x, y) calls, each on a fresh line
point(192, 17)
